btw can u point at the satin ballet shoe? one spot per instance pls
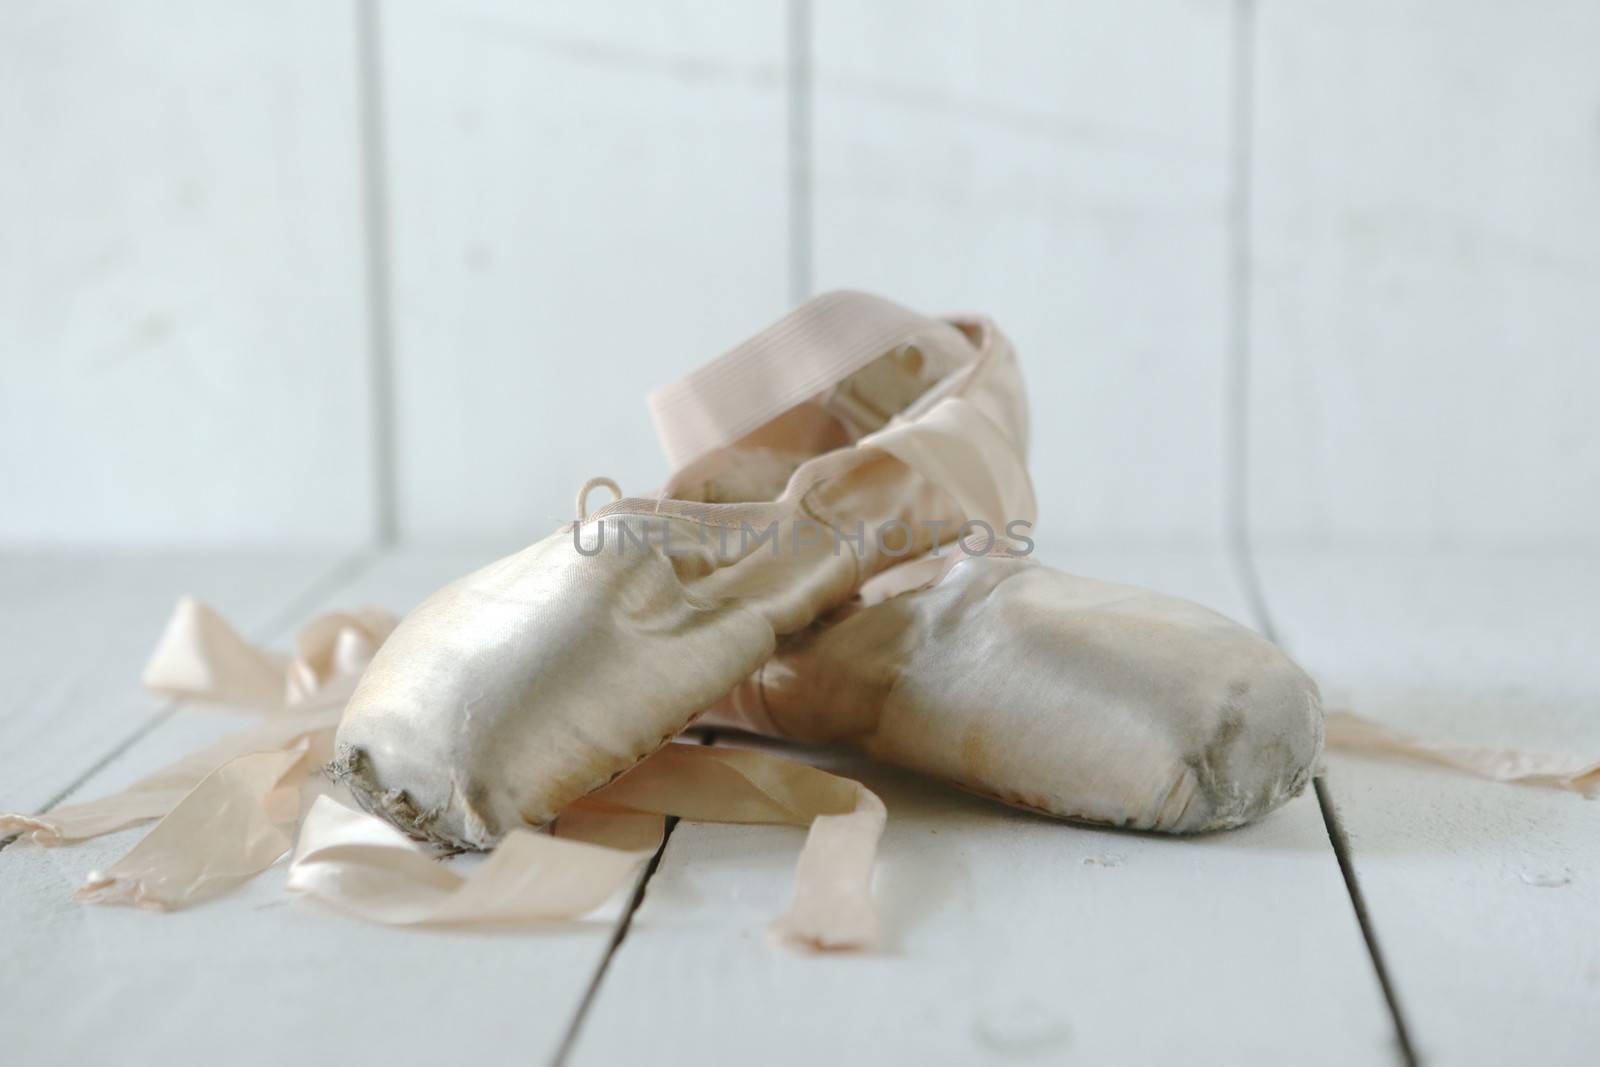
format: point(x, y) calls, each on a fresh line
point(1081, 699)
point(848, 436)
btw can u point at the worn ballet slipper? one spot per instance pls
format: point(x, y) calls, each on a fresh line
point(521, 687)
point(1077, 698)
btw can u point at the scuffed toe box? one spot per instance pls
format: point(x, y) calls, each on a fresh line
point(1259, 750)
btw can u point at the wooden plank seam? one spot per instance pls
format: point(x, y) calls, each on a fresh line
point(1237, 465)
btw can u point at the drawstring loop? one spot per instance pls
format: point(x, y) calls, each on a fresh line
point(590, 486)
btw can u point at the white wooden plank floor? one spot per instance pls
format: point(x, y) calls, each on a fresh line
point(1010, 936)
point(1484, 898)
point(76, 629)
point(249, 979)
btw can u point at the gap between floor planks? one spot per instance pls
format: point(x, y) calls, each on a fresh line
point(1242, 557)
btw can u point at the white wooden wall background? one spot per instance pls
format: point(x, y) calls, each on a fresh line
point(325, 274)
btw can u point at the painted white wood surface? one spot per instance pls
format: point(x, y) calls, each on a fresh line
point(1062, 167)
point(75, 631)
point(588, 201)
point(1427, 245)
point(1485, 898)
point(1009, 936)
point(182, 328)
point(255, 977)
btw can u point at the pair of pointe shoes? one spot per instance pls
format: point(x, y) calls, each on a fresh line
point(842, 556)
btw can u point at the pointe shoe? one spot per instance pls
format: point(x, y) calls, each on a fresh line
point(859, 432)
point(1077, 698)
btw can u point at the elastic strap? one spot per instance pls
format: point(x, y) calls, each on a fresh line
point(813, 348)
